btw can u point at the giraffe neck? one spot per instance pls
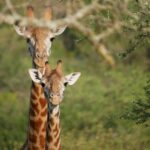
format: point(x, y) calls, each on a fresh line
point(36, 135)
point(53, 130)
point(37, 119)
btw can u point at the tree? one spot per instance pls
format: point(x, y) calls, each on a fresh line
point(139, 110)
point(97, 20)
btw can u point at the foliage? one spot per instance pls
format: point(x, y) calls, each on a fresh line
point(140, 109)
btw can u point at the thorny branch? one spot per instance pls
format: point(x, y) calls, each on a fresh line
point(80, 18)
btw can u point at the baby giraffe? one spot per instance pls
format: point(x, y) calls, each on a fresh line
point(54, 83)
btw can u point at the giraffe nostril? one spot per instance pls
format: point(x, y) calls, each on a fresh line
point(46, 62)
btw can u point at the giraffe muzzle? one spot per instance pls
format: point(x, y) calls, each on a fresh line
point(40, 62)
point(55, 100)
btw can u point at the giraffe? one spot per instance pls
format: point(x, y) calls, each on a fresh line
point(53, 83)
point(39, 42)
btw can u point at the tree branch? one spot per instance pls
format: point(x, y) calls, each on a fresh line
point(81, 19)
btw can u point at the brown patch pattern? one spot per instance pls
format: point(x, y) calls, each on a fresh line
point(43, 102)
point(36, 124)
point(32, 112)
point(33, 138)
point(43, 113)
point(42, 141)
point(33, 96)
point(35, 148)
point(51, 121)
point(57, 142)
point(36, 88)
point(34, 106)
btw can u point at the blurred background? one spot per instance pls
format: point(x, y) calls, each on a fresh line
point(100, 111)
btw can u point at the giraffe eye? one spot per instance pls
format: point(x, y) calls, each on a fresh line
point(65, 84)
point(28, 40)
point(51, 39)
point(43, 84)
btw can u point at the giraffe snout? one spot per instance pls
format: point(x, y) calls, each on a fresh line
point(40, 59)
point(56, 100)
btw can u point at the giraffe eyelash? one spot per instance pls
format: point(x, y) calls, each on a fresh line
point(51, 39)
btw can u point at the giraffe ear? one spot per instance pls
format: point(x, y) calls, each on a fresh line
point(35, 75)
point(22, 31)
point(72, 78)
point(19, 30)
point(59, 31)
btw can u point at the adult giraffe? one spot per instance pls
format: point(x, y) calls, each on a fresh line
point(39, 42)
point(54, 83)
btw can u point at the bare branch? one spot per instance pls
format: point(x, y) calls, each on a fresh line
point(115, 27)
point(83, 18)
point(10, 7)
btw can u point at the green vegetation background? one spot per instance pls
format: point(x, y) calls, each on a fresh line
point(91, 109)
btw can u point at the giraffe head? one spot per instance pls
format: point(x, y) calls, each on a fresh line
point(54, 82)
point(39, 39)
